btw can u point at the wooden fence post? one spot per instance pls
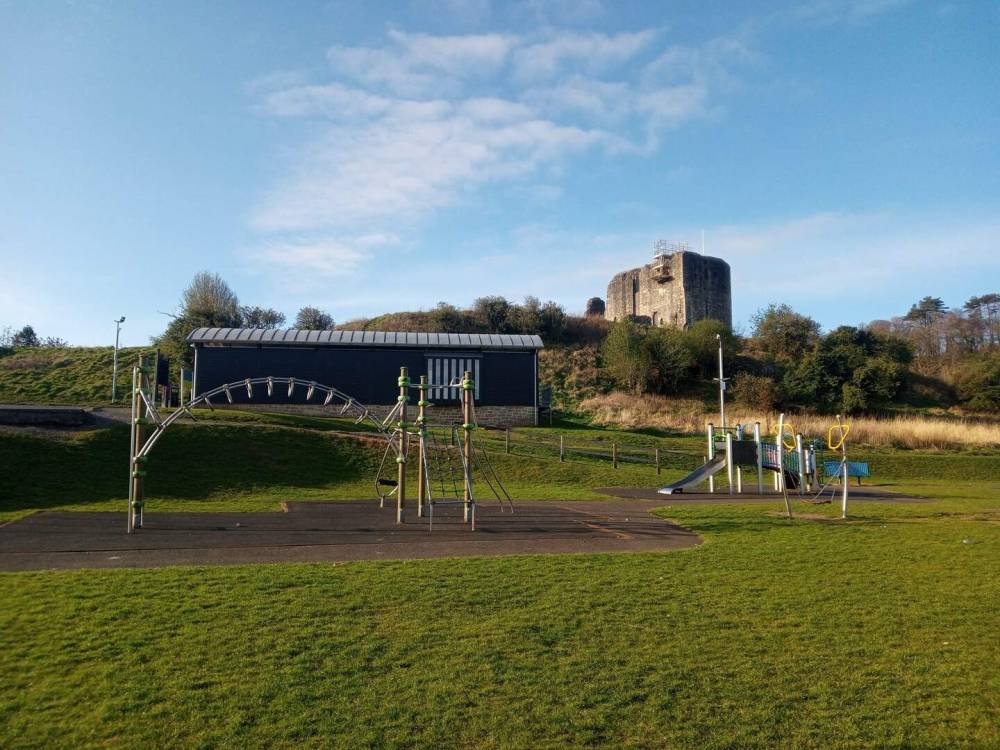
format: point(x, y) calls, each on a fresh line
point(614, 454)
point(562, 449)
point(657, 461)
point(506, 440)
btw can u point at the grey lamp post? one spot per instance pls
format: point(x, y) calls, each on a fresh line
point(722, 384)
point(114, 370)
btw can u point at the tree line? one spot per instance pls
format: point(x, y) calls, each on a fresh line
point(26, 338)
point(930, 356)
point(209, 302)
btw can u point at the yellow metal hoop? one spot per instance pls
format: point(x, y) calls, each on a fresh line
point(791, 434)
point(844, 430)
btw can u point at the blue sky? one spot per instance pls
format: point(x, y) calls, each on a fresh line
point(842, 155)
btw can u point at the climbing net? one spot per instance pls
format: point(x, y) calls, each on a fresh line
point(446, 465)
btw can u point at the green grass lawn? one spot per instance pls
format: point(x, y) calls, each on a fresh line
point(879, 632)
point(71, 375)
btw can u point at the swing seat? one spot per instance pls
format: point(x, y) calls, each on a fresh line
point(815, 501)
point(387, 483)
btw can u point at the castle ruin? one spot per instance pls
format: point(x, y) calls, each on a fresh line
point(677, 289)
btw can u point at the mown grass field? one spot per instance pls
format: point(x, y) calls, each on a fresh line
point(878, 632)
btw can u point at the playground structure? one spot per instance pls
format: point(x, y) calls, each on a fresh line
point(449, 467)
point(145, 415)
point(792, 461)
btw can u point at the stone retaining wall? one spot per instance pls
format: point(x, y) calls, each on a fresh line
point(488, 416)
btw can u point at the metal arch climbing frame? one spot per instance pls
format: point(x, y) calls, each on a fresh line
point(143, 404)
point(349, 404)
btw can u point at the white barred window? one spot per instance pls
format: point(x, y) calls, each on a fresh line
point(443, 371)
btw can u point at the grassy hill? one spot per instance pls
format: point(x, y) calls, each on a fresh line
point(71, 375)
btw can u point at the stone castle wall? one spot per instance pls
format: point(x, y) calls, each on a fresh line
point(675, 290)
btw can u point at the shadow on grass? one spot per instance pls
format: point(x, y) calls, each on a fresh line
point(187, 463)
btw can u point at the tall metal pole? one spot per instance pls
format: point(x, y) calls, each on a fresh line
point(138, 473)
point(114, 367)
point(780, 444)
point(711, 455)
point(800, 456)
point(467, 393)
point(404, 396)
point(844, 479)
point(722, 385)
point(132, 450)
point(760, 458)
point(729, 461)
point(422, 405)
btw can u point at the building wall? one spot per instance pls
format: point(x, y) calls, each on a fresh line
point(506, 378)
point(676, 290)
point(506, 381)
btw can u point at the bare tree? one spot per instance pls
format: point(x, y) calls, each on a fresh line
point(209, 295)
point(313, 319)
point(261, 317)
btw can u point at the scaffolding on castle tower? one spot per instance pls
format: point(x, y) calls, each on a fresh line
point(663, 250)
point(669, 247)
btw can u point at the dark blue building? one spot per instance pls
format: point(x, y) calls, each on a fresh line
point(365, 365)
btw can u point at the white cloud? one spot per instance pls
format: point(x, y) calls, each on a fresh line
point(378, 239)
point(545, 13)
point(401, 168)
point(491, 109)
point(388, 154)
point(578, 95)
point(459, 55)
point(418, 64)
point(309, 259)
point(421, 122)
point(841, 267)
point(332, 100)
point(595, 52)
point(673, 105)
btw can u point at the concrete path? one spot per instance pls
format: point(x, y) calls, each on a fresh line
point(333, 531)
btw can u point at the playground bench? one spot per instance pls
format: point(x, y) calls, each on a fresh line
point(854, 469)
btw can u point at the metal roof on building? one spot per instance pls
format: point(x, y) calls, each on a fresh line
point(297, 337)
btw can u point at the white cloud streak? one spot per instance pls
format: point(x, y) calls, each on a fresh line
point(421, 122)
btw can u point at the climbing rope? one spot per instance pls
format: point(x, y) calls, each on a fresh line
point(380, 482)
point(491, 476)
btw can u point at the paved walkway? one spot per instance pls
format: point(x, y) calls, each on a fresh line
point(333, 531)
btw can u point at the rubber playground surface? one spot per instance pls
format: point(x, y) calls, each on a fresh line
point(333, 531)
point(360, 530)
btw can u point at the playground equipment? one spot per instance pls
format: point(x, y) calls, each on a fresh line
point(730, 449)
point(469, 455)
point(447, 468)
point(793, 462)
point(836, 439)
point(145, 414)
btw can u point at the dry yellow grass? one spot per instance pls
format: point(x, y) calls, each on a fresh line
point(688, 415)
